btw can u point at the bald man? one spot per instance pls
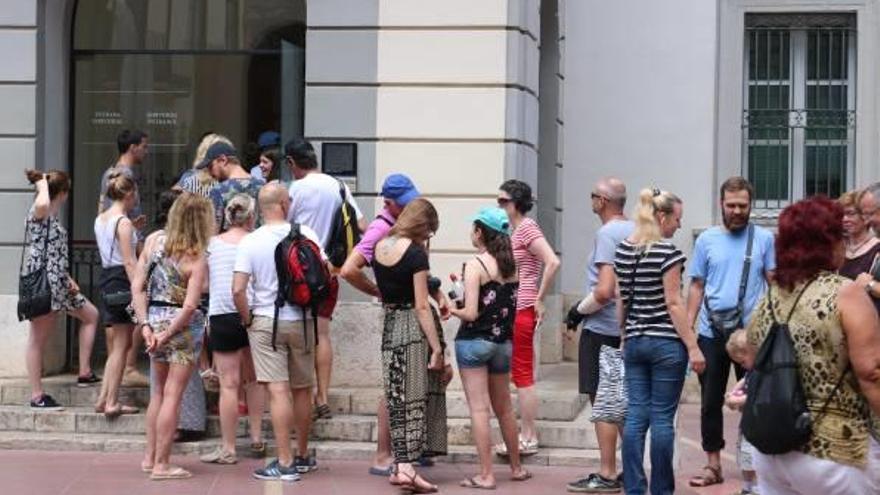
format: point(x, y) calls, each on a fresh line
point(291, 365)
point(600, 326)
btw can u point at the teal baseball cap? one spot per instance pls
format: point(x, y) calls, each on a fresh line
point(494, 218)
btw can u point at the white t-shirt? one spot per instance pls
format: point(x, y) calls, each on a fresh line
point(256, 257)
point(314, 200)
point(221, 262)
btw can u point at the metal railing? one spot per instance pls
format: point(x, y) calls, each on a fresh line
point(85, 267)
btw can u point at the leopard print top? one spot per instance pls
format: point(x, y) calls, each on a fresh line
point(842, 435)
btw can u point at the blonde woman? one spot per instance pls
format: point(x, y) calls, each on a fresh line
point(199, 181)
point(166, 291)
point(412, 352)
point(658, 342)
point(229, 338)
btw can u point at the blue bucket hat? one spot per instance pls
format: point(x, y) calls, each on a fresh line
point(400, 189)
point(494, 218)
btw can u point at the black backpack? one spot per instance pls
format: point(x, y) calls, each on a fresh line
point(344, 234)
point(775, 418)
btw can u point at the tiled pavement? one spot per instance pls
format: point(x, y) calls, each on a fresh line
point(86, 473)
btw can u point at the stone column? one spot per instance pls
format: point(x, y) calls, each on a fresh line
point(445, 92)
point(19, 77)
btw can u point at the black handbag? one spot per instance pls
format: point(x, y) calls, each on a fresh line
point(34, 292)
point(726, 321)
point(113, 282)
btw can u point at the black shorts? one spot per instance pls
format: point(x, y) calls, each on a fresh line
point(588, 360)
point(227, 333)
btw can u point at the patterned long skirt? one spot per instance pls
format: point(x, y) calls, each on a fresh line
point(416, 396)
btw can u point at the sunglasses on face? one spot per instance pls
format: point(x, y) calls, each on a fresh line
point(503, 201)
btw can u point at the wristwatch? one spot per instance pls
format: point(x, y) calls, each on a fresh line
point(869, 288)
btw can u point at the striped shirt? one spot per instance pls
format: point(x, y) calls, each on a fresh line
point(528, 265)
point(648, 314)
point(221, 260)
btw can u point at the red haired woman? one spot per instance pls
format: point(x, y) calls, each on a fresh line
point(836, 335)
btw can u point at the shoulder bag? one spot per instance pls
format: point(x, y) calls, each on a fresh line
point(113, 282)
point(34, 292)
point(726, 321)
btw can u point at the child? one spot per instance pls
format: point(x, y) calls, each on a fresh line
point(743, 353)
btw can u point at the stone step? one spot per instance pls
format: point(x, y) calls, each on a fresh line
point(578, 434)
point(324, 450)
point(556, 403)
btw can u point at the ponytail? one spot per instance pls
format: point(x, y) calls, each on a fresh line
point(652, 201)
point(59, 182)
point(498, 245)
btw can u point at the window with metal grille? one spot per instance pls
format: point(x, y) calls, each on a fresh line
point(799, 106)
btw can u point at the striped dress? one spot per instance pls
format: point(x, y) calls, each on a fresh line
point(640, 278)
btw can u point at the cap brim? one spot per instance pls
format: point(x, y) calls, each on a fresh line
point(203, 164)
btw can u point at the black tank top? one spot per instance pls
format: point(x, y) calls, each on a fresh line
point(495, 312)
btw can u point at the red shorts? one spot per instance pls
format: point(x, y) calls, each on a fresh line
point(522, 363)
point(325, 309)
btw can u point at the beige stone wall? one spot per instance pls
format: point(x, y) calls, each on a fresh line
point(445, 92)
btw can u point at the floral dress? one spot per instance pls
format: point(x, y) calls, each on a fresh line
point(166, 293)
point(54, 260)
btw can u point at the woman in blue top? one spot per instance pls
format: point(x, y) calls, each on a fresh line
point(483, 343)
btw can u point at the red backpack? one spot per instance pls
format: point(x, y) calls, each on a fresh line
point(303, 278)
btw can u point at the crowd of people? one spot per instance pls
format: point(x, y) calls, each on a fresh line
point(205, 295)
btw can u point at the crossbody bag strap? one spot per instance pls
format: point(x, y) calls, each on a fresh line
point(797, 300)
point(744, 277)
point(25, 244)
point(113, 239)
point(747, 265)
point(833, 393)
point(632, 289)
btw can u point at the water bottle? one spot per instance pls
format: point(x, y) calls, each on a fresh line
point(457, 293)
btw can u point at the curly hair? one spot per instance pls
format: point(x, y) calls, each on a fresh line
point(809, 232)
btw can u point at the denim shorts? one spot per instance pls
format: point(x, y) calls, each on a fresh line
point(476, 353)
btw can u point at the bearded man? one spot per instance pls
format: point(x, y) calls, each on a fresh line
point(729, 272)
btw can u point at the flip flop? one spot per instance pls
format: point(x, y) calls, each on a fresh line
point(472, 483)
point(129, 410)
point(177, 473)
point(377, 471)
point(523, 476)
point(146, 468)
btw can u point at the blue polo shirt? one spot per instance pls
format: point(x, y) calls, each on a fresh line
point(718, 259)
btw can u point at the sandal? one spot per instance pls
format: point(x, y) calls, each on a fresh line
point(411, 486)
point(322, 412)
point(177, 473)
point(147, 468)
point(473, 483)
point(711, 476)
point(258, 449)
point(523, 475)
point(115, 412)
